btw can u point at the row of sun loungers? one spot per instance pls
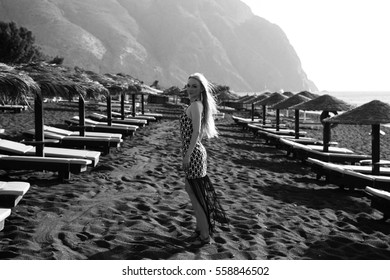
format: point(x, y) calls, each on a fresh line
point(96, 126)
point(68, 156)
point(15, 148)
point(339, 166)
point(66, 138)
point(315, 150)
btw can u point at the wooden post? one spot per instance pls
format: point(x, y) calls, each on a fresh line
point(109, 110)
point(253, 111)
point(375, 142)
point(264, 113)
point(296, 124)
point(81, 115)
point(142, 104)
point(326, 136)
point(39, 136)
point(133, 105)
point(277, 119)
point(123, 105)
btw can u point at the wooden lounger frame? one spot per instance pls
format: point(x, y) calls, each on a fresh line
point(64, 166)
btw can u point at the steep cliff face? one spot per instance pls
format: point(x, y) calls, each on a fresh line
point(164, 40)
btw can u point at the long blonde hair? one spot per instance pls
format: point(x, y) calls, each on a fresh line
point(209, 106)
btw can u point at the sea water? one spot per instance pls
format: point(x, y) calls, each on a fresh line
point(360, 97)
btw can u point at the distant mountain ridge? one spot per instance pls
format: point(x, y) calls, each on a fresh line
point(165, 40)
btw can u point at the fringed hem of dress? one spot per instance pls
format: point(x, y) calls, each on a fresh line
point(207, 197)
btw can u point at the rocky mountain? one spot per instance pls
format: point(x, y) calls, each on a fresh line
point(164, 40)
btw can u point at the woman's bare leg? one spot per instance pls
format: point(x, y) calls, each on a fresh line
point(201, 219)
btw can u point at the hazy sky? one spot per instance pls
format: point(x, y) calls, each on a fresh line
point(343, 44)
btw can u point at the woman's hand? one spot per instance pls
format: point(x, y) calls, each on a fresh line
point(186, 162)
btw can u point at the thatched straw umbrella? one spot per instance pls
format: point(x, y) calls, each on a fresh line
point(255, 99)
point(16, 86)
point(53, 81)
point(289, 102)
point(372, 113)
point(274, 98)
point(133, 87)
point(325, 103)
point(112, 86)
point(308, 94)
point(91, 90)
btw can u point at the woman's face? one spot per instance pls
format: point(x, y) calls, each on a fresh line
point(194, 89)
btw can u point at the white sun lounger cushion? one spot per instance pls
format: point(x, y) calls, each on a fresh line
point(379, 193)
point(53, 135)
point(46, 159)
point(140, 121)
point(14, 147)
point(369, 162)
point(22, 149)
point(66, 132)
point(358, 175)
point(14, 188)
point(334, 167)
point(4, 213)
point(316, 161)
point(381, 178)
point(331, 149)
point(89, 121)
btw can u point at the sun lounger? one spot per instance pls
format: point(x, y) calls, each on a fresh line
point(335, 154)
point(369, 162)
point(64, 166)
point(12, 192)
point(380, 200)
point(4, 214)
point(95, 126)
point(127, 121)
point(261, 131)
point(348, 176)
point(13, 108)
point(287, 142)
point(67, 132)
point(244, 122)
point(15, 148)
point(350, 158)
point(275, 139)
point(150, 117)
point(98, 143)
point(331, 149)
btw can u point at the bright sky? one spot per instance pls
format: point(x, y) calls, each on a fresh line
point(343, 45)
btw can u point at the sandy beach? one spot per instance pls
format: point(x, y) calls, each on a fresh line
point(133, 205)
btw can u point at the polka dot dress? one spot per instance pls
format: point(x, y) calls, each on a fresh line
point(198, 158)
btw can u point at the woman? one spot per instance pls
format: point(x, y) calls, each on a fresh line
point(197, 121)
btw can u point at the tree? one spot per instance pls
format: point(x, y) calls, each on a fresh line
point(17, 45)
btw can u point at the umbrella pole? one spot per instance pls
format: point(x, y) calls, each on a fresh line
point(81, 116)
point(326, 136)
point(277, 119)
point(296, 124)
point(264, 112)
point(375, 138)
point(109, 112)
point(123, 106)
point(133, 105)
point(142, 104)
point(39, 137)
